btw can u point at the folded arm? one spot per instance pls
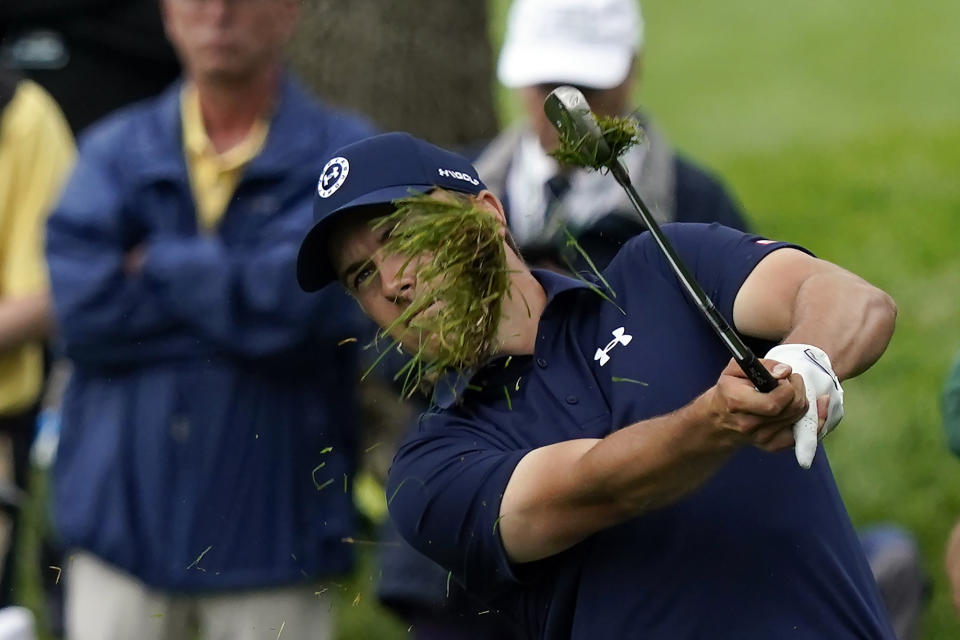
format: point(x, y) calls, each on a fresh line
point(244, 300)
point(103, 315)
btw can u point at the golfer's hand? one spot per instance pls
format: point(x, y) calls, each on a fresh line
point(741, 415)
point(824, 396)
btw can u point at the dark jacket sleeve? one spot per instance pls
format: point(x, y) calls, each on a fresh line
point(103, 315)
point(701, 197)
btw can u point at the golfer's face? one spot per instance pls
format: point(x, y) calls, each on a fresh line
point(384, 284)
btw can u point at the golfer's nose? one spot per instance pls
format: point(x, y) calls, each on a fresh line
point(399, 278)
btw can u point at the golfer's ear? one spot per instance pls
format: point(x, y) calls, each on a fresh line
point(487, 200)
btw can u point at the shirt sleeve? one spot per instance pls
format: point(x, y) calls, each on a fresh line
point(444, 492)
point(38, 152)
point(717, 257)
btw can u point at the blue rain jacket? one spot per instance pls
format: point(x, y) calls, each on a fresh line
point(209, 427)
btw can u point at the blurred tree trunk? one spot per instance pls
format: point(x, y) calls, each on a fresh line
point(421, 66)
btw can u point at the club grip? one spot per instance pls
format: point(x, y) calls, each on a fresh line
point(758, 374)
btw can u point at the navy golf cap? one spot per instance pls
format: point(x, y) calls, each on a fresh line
point(375, 170)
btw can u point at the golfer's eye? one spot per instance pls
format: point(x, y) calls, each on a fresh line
point(387, 232)
point(363, 275)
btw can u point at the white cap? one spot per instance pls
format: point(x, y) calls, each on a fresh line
point(589, 43)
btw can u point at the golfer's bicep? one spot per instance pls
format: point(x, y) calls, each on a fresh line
point(542, 511)
point(765, 304)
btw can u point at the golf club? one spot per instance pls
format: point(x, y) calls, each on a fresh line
point(569, 112)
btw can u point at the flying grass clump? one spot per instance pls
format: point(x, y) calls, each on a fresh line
point(456, 252)
point(620, 135)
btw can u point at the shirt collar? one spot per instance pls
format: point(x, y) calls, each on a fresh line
point(197, 144)
point(451, 385)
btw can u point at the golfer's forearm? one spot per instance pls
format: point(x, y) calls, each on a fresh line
point(652, 463)
point(845, 316)
point(562, 493)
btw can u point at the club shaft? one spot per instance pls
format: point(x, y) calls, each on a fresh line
point(744, 356)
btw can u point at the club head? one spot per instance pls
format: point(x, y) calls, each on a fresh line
point(570, 114)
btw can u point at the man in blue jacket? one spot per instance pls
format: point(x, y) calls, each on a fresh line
point(208, 429)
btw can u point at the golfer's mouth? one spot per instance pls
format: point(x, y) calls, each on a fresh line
point(429, 312)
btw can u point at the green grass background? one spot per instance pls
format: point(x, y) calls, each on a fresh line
point(837, 125)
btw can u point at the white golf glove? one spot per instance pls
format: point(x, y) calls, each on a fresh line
point(814, 367)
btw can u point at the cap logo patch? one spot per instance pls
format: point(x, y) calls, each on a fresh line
point(333, 175)
point(459, 175)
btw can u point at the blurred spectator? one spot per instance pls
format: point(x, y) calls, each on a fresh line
point(951, 406)
point(597, 46)
point(952, 565)
point(93, 56)
point(36, 152)
point(951, 423)
point(904, 584)
point(208, 429)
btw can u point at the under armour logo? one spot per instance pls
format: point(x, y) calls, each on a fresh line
point(619, 337)
point(333, 175)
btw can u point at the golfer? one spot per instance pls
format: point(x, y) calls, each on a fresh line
point(604, 470)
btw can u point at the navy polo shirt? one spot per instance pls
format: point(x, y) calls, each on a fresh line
point(763, 550)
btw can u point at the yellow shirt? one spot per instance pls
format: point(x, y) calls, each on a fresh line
point(214, 176)
point(36, 154)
